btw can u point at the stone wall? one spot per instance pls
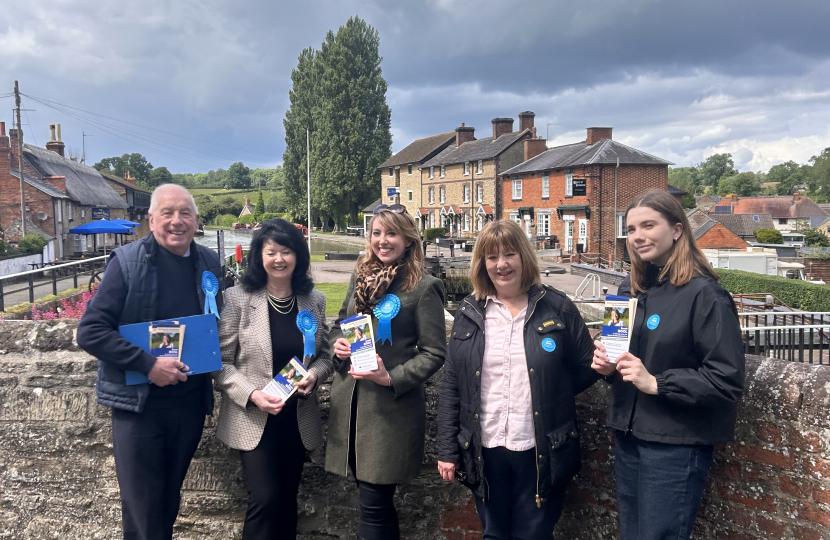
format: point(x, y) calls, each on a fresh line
point(57, 478)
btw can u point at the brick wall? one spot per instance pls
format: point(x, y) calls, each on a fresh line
point(719, 237)
point(57, 478)
point(453, 184)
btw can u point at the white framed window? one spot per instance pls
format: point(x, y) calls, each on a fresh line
point(443, 171)
point(59, 217)
point(517, 189)
point(466, 193)
point(479, 193)
point(569, 185)
point(409, 169)
point(69, 210)
point(466, 221)
point(442, 195)
point(480, 223)
point(545, 186)
point(543, 225)
point(514, 216)
point(431, 195)
point(409, 195)
point(432, 172)
point(480, 167)
point(432, 220)
point(467, 168)
point(391, 171)
point(583, 233)
point(622, 226)
point(569, 234)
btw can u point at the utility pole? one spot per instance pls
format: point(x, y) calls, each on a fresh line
point(84, 136)
point(20, 160)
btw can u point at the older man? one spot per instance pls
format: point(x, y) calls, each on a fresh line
point(155, 427)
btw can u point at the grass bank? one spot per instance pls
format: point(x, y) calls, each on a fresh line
point(335, 293)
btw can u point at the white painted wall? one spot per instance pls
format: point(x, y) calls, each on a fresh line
point(19, 264)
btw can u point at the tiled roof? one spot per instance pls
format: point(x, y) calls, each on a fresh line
point(83, 184)
point(451, 209)
point(604, 152)
point(713, 198)
point(371, 208)
point(676, 191)
point(121, 182)
point(13, 229)
point(818, 221)
point(744, 224)
point(485, 209)
point(419, 150)
point(699, 222)
point(36, 183)
point(779, 207)
point(486, 148)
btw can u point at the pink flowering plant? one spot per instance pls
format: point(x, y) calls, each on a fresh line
point(70, 308)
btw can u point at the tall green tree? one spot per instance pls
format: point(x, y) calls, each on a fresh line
point(715, 167)
point(746, 184)
point(135, 163)
point(340, 94)
point(239, 176)
point(259, 209)
point(685, 178)
point(819, 175)
point(160, 176)
point(816, 238)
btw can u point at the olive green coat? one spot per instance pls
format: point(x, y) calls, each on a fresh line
point(390, 422)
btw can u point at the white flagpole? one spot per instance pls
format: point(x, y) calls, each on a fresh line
point(308, 185)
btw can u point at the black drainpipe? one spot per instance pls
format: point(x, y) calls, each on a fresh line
point(600, 211)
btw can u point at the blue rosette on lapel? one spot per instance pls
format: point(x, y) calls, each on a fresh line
point(210, 286)
point(385, 311)
point(307, 323)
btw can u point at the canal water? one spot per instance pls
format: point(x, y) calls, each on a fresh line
point(232, 238)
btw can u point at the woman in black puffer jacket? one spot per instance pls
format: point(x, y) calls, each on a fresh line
point(506, 415)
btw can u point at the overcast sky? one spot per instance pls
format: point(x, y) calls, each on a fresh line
point(681, 80)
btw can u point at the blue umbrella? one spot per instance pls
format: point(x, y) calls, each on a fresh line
point(102, 226)
point(125, 223)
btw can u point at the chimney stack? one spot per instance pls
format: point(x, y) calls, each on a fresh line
point(596, 134)
point(734, 198)
point(526, 120)
point(534, 147)
point(796, 196)
point(502, 126)
point(464, 134)
point(2, 129)
point(55, 144)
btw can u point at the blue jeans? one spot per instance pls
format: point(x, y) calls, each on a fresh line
point(510, 511)
point(659, 487)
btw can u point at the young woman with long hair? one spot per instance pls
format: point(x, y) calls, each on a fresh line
point(675, 392)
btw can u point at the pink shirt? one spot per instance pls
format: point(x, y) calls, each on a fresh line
point(505, 386)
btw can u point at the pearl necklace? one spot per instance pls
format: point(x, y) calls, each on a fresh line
point(283, 306)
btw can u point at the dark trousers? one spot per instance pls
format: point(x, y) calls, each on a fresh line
point(272, 477)
point(152, 451)
point(510, 511)
point(659, 487)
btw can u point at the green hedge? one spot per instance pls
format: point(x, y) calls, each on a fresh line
point(458, 285)
point(795, 293)
point(431, 234)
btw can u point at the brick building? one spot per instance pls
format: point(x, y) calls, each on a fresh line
point(788, 212)
point(137, 199)
point(744, 225)
point(711, 234)
point(576, 195)
point(458, 185)
point(403, 171)
point(60, 193)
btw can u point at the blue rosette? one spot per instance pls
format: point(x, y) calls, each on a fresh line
point(210, 286)
point(307, 323)
point(385, 311)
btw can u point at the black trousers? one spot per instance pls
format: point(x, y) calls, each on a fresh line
point(510, 511)
point(272, 475)
point(152, 451)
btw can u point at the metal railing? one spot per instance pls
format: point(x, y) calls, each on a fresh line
point(70, 270)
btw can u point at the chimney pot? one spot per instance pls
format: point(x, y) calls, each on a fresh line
point(59, 133)
point(796, 196)
point(526, 120)
point(462, 124)
point(52, 132)
point(502, 126)
point(2, 129)
point(596, 134)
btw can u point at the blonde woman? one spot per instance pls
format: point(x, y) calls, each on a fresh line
point(377, 419)
point(518, 354)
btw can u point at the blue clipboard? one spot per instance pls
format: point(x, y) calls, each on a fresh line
point(200, 351)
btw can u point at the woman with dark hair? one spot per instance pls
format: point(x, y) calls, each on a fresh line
point(675, 392)
point(275, 316)
point(519, 353)
point(378, 418)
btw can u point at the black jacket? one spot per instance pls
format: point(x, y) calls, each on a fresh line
point(555, 378)
point(127, 295)
point(695, 351)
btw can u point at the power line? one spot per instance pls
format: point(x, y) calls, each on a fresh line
point(45, 101)
point(30, 125)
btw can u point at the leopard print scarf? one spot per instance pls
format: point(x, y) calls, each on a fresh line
point(371, 284)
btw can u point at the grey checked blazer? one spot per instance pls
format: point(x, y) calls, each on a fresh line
point(247, 365)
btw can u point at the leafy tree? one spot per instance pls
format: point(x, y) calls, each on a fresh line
point(116, 166)
point(819, 176)
point(688, 201)
point(715, 167)
point(746, 184)
point(785, 174)
point(685, 178)
point(259, 209)
point(32, 243)
point(160, 176)
point(275, 202)
point(239, 176)
point(339, 94)
point(135, 163)
point(816, 238)
point(769, 236)
point(140, 166)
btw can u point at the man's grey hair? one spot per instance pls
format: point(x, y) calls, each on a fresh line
point(164, 187)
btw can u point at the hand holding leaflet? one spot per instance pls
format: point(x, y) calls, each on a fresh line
point(357, 330)
point(616, 324)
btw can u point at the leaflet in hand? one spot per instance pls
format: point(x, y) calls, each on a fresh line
point(358, 331)
point(282, 385)
point(616, 325)
point(166, 339)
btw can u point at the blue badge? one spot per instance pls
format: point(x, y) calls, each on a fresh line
point(307, 323)
point(653, 322)
point(210, 286)
point(548, 344)
point(385, 311)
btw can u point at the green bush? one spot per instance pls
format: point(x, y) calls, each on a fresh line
point(458, 285)
point(225, 220)
point(430, 235)
point(769, 236)
point(32, 243)
point(246, 219)
point(795, 293)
